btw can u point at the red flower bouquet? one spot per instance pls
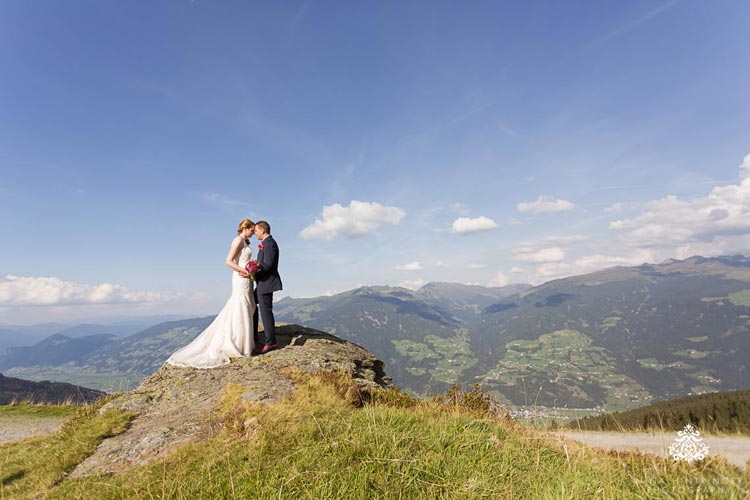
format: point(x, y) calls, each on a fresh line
point(252, 268)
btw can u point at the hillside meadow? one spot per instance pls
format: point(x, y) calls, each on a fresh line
point(331, 440)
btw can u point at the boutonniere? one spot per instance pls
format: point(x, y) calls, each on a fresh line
point(260, 246)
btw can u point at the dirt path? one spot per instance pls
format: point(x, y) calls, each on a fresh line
point(736, 449)
point(13, 428)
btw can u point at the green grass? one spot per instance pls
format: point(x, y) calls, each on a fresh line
point(35, 465)
point(691, 354)
point(697, 339)
point(610, 322)
point(322, 444)
point(741, 298)
point(25, 410)
point(444, 359)
point(570, 355)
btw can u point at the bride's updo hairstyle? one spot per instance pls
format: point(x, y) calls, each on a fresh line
point(245, 224)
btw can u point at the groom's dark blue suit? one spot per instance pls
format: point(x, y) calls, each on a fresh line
point(267, 281)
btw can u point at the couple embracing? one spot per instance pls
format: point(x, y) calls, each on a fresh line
point(234, 332)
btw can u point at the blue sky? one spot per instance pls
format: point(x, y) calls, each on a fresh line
point(386, 143)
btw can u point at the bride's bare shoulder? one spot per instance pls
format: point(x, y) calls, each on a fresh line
point(236, 241)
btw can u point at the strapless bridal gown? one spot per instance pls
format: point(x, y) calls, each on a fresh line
point(231, 333)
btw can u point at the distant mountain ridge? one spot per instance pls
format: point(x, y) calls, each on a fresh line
point(618, 338)
point(622, 336)
point(104, 362)
point(17, 390)
point(24, 336)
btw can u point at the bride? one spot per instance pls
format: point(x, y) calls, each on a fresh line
point(231, 333)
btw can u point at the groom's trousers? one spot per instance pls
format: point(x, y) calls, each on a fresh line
point(265, 305)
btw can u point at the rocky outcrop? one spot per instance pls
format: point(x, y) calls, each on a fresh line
point(177, 405)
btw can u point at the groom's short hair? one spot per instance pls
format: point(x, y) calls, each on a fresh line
point(266, 227)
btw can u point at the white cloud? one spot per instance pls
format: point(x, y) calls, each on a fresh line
point(517, 270)
point(550, 254)
point(745, 168)
point(465, 225)
point(475, 265)
point(411, 266)
point(545, 205)
point(32, 291)
point(412, 284)
point(356, 220)
point(614, 208)
point(440, 263)
point(565, 240)
point(499, 280)
point(714, 224)
point(459, 208)
point(589, 263)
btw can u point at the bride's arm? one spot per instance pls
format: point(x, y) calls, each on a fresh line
point(233, 251)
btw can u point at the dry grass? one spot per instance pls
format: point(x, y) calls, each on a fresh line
point(333, 440)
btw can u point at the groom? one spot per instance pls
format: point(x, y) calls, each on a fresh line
point(267, 281)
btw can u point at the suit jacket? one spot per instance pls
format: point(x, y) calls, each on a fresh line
point(267, 280)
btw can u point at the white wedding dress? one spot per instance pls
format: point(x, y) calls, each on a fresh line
point(231, 333)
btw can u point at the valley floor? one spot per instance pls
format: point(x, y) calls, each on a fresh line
point(736, 449)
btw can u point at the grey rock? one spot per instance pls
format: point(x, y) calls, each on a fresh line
point(178, 405)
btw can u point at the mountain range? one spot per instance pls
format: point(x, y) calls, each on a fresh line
point(103, 361)
point(13, 390)
point(617, 338)
point(27, 335)
point(614, 339)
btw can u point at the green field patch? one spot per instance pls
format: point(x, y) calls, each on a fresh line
point(652, 363)
point(713, 299)
point(681, 365)
point(610, 322)
point(566, 361)
point(741, 298)
point(443, 358)
point(416, 351)
point(416, 371)
point(523, 345)
point(705, 378)
point(697, 339)
point(691, 354)
point(702, 389)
